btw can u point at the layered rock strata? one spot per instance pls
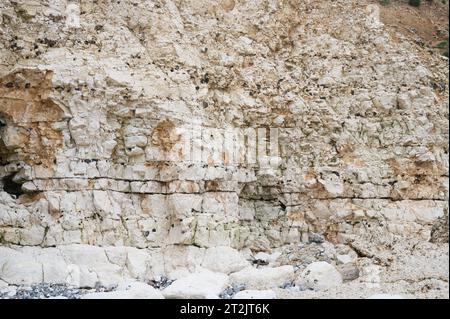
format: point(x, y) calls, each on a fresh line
point(116, 116)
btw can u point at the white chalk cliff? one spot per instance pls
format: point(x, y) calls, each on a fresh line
point(102, 103)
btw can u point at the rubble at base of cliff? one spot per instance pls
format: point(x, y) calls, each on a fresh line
point(311, 270)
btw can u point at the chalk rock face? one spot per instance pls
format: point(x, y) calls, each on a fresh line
point(145, 138)
point(127, 128)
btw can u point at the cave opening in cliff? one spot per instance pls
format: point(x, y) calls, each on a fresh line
point(10, 186)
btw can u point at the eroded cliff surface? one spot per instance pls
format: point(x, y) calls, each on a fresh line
point(102, 102)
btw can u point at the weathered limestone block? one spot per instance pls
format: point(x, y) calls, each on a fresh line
point(133, 290)
point(18, 268)
point(223, 259)
point(263, 278)
point(320, 275)
point(200, 285)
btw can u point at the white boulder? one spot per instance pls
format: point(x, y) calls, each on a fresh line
point(263, 278)
point(267, 258)
point(224, 259)
point(202, 285)
point(133, 290)
point(320, 276)
point(17, 268)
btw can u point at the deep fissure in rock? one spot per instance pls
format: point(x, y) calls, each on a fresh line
point(12, 187)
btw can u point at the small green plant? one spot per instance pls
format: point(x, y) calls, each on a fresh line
point(384, 2)
point(441, 45)
point(415, 3)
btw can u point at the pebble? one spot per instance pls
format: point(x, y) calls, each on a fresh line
point(288, 285)
point(46, 291)
point(161, 282)
point(349, 271)
point(230, 292)
point(315, 238)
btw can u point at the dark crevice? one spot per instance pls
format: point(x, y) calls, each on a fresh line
point(11, 187)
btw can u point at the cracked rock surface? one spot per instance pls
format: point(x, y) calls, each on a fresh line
point(97, 187)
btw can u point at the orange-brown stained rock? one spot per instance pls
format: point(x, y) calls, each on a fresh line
point(422, 177)
point(296, 215)
point(346, 152)
point(212, 185)
point(25, 105)
point(24, 97)
point(30, 198)
point(164, 135)
point(413, 167)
